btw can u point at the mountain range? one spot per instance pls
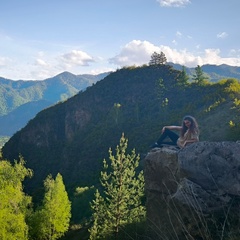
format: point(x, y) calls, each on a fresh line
point(213, 72)
point(21, 100)
point(73, 137)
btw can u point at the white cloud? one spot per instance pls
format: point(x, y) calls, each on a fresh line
point(139, 52)
point(235, 53)
point(222, 35)
point(42, 73)
point(101, 70)
point(4, 61)
point(212, 56)
point(178, 34)
point(135, 52)
point(76, 57)
point(173, 3)
point(5, 37)
point(46, 65)
point(40, 62)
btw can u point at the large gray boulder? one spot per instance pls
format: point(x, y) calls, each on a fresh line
point(193, 193)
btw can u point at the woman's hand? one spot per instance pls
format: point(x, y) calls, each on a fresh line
point(189, 142)
point(163, 129)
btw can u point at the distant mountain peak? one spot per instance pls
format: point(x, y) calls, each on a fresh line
point(65, 73)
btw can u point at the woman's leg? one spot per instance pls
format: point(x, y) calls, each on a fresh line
point(168, 133)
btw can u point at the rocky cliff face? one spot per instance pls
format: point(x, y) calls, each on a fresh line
point(193, 193)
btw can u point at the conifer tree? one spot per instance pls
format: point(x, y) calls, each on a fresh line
point(158, 59)
point(183, 78)
point(52, 219)
point(199, 77)
point(99, 207)
point(13, 201)
point(119, 203)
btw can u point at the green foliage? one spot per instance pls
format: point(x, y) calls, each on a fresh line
point(13, 201)
point(231, 86)
point(160, 89)
point(3, 140)
point(20, 100)
point(81, 210)
point(158, 59)
point(234, 130)
point(16, 93)
point(123, 188)
point(52, 219)
point(234, 124)
point(199, 76)
point(116, 109)
point(183, 78)
point(72, 137)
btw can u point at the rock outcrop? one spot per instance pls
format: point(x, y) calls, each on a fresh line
point(193, 193)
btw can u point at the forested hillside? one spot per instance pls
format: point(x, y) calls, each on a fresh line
point(73, 137)
point(21, 100)
point(214, 72)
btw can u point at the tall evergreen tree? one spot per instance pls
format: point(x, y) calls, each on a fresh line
point(52, 220)
point(158, 59)
point(13, 201)
point(183, 78)
point(120, 202)
point(199, 77)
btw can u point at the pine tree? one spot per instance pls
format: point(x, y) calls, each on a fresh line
point(183, 78)
point(199, 77)
point(120, 202)
point(158, 59)
point(52, 219)
point(13, 201)
point(98, 206)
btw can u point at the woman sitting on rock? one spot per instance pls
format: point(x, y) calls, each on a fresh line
point(189, 133)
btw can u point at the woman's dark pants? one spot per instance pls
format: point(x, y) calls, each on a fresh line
point(170, 134)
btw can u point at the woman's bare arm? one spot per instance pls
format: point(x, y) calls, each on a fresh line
point(178, 128)
point(190, 141)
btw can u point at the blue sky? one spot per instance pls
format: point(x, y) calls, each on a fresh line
point(40, 39)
